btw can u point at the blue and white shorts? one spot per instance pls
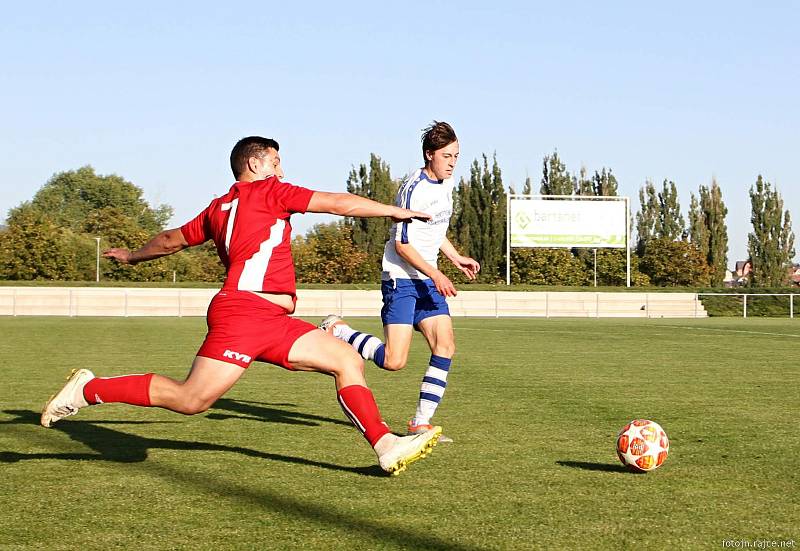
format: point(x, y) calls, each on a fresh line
point(409, 301)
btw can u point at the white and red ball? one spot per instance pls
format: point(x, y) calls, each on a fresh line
point(642, 445)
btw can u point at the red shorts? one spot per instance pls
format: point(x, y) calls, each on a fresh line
point(243, 327)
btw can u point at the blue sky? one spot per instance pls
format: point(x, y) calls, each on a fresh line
point(158, 92)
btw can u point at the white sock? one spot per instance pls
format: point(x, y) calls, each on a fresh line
point(369, 347)
point(432, 389)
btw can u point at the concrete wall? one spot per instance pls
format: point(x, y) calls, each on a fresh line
point(117, 301)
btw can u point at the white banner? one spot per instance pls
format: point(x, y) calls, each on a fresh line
point(567, 223)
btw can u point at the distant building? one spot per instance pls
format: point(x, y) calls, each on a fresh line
point(740, 274)
point(794, 275)
point(730, 279)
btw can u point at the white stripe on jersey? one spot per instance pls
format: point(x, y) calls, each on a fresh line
point(232, 206)
point(252, 277)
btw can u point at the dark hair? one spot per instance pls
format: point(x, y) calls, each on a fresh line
point(252, 146)
point(437, 136)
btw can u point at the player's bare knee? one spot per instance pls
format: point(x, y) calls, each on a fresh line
point(193, 405)
point(349, 364)
point(393, 363)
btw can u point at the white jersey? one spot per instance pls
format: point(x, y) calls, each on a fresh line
point(433, 197)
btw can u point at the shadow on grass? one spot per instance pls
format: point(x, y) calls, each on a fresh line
point(117, 446)
point(122, 447)
point(588, 466)
point(267, 413)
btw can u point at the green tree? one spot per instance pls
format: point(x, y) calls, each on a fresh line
point(478, 227)
point(555, 178)
point(605, 183)
point(528, 187)
point(73, 208)
point(199, 263)
point(670, 223)
point(370, 234)
point(497, 222)
point(612, 268)
point(771, 243)
point(464, 231)
point(69, 197)
point(698, 226)
point(35, 247)
point(674, 263)
point(327, 254)
point(547, 267)
point(715, 212)
point(647, 217)
point(708, 230)
point(584, 184)
point(120, 230)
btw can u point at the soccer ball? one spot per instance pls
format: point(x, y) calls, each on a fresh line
point(642, 445)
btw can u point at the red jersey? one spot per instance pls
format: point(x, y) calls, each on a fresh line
point(250, 227)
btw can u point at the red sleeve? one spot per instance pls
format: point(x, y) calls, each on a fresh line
point(293, 198)
point(196, 231)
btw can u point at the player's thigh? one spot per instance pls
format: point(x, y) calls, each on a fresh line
point(438, 331)
point(397, 339)
point(321, 352)
point(209, 379)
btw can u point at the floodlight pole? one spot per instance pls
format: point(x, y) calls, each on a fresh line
point(97, 267)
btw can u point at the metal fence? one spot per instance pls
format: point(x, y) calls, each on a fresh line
point(745, 295)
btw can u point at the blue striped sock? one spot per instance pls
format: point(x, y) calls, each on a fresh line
point(369, 347)
point(432, 389)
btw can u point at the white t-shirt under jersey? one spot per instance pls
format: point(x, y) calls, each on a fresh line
point(433, 197)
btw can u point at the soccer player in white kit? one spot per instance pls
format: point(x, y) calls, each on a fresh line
point(413, 288)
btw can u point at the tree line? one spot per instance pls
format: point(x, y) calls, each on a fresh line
point(53, 236)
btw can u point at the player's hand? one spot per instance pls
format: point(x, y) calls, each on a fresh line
point(443, 284)
point(401, 215)
point(468, 266)
point(123, 256)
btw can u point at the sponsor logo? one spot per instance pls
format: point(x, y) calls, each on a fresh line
point(236, 356)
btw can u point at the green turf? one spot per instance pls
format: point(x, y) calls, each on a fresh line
point(533, 405)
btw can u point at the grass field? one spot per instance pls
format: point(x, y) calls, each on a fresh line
point(533, 405)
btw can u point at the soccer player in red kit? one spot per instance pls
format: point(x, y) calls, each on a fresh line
point(249, 318)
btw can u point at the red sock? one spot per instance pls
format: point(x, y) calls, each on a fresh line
point(360, 407)
point(128, 389)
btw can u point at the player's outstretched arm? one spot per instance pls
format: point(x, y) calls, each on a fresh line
point(347, 204)
point(469, 266)
point(165, 243)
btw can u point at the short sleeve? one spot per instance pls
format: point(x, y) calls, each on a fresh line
point(196, 231)
point(293, 198)
point(401, 235)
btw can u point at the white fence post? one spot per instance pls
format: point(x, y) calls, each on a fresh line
point(744, 306)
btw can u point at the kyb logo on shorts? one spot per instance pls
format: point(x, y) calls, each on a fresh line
point(236, 356)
